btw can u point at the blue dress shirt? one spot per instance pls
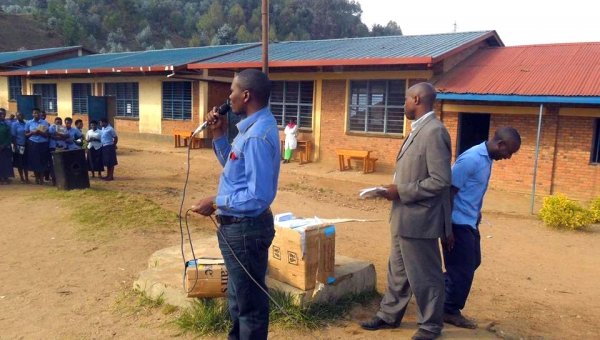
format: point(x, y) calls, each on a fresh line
point(248, 184)
point(33, 125)
point(470, 174)
point(18, 131)
point(107, 135)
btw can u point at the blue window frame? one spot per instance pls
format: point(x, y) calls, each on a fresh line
point(15, 87)
point(595, 157)
point(127, 98)
point(80, 93)
point(377, 106)
point(48, 94)
point(292, 100)
point(177, 100)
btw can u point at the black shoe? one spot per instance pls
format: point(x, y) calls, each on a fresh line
point(459, 320)
point(377, 323)
point(423, 334)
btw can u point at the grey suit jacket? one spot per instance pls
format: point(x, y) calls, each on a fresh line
point(423, 177)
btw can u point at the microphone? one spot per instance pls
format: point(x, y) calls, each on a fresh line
point(222, 110)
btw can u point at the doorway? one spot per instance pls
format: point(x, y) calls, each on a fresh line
point(473, 128)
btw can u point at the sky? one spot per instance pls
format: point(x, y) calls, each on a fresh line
point(518, 22)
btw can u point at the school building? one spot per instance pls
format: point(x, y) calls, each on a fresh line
point(349, 93)
point(551, 91)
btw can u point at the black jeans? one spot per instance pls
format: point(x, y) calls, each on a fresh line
point(461, 264)
point(249, 240)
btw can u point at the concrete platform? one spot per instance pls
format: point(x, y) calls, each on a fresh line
point(164, 277)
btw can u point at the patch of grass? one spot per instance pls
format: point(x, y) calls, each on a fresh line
point(101, 212)
point(210, 316)
point(316, 315)
point(135, 302)
point(205, 317)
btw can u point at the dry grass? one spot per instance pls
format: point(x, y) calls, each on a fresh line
point(102, 213)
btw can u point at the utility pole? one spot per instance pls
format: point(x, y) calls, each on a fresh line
point(265, 36)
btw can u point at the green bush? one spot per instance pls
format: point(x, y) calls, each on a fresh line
point(559, 212)
point(595, 209)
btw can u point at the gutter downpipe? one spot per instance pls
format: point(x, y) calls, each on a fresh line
point(535, 163)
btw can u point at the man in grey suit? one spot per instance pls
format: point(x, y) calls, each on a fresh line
point(420, 216)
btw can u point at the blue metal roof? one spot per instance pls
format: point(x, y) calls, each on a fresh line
point(16, 56)
point(520, 99)
point(430, 46)
point(153, 60)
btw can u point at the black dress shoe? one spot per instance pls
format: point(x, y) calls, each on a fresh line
point(423, 334)
point(377, 323)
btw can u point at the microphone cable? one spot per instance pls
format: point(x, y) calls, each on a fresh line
point(187, 230)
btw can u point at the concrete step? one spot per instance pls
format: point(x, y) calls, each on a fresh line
point(164, 277)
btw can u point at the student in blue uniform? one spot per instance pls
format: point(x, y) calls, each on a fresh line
point(38, 151)
point(109, 141)
point(19, 147)
point(74, 138)
point(57, 135)
point(94, 145)
point(6, 168)
point(79, 126)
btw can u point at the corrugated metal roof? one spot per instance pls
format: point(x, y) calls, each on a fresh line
point(16, 56)
point(354, 51)
point(139, 61)
point(536, 70)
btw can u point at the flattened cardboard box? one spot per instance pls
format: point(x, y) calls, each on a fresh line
point(302, 260)
point(211, 278)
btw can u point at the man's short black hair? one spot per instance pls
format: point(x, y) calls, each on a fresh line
point(104, 120)
point(257, 83)
point(78, 121)
point(36, 109)
point(94, 122)
point(68, 119)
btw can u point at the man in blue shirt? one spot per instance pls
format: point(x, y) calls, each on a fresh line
point(462, 254)
point(247, 187)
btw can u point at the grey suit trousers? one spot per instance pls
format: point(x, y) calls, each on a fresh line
point(415, 266)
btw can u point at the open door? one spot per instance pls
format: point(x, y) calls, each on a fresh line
point(26, 104)
point(100, 107)
point(474, 128)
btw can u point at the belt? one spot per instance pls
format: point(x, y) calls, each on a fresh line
point(226, 220)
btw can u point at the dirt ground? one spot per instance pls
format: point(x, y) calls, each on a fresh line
point(534, 283)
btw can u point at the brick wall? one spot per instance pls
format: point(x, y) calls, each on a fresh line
point(127, 125)
point(564, 158)
point(450, 120)
point(516, 174)
point(334, 136)
point(573, 174)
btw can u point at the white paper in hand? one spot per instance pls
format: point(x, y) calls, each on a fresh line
point(371, 192)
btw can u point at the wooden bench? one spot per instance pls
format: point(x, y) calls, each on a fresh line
point(347, 155)
point(303, 150)
point(182, 135)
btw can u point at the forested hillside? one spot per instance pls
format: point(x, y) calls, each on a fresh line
point(120, 25)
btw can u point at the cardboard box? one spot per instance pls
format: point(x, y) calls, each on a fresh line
point(210, 280)
point(301, 256)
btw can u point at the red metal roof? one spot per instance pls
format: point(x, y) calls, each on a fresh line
point(551, 70)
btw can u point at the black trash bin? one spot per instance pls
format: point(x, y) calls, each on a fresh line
point(71, 169)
